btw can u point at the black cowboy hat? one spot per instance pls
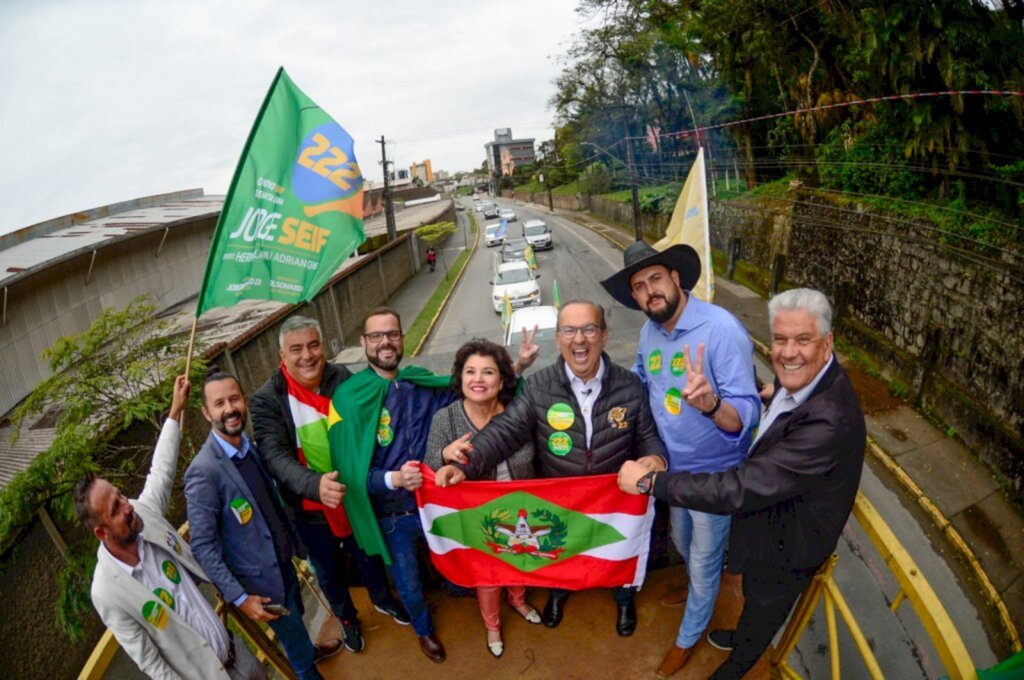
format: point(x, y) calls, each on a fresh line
point(681, 257)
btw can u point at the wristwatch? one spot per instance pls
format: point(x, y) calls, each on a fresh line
point(646, 483)
point(714, 409)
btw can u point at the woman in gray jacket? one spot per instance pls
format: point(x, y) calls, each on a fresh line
point(484, 377)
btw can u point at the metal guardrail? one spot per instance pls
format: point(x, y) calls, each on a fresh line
point(914, 588)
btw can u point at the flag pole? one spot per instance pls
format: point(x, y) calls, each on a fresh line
point(188, 365)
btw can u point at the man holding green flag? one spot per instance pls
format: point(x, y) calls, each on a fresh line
point(379, 420)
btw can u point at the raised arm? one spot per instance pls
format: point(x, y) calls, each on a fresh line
point(156, 492)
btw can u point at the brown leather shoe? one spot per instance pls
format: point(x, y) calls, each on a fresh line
point(326, 649)
point(432, 647)
point(674, 660)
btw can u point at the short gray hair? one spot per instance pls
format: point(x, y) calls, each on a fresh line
point(808, 300)
point(298, 323)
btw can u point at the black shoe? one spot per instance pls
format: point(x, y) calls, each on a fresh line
point(352, 636)
point(554, 609)
point(626, 622)
point(722, 639)
point(395, 611)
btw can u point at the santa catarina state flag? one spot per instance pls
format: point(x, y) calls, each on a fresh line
point(573, 533)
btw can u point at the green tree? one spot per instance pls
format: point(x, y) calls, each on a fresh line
point(118, 374)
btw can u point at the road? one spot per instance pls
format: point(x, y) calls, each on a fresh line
point(579, 260)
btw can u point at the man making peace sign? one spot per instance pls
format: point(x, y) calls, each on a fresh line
point(705, 406)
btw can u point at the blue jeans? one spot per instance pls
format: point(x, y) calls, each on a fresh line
point(291, 631)
point(327, 556)
point(700, 538)
point(402, 534)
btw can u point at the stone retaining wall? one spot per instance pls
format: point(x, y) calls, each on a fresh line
point(943, 322)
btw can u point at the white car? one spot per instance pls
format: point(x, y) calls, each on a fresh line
point(538, 234)
point(508, 214)
point(516, 280)
point(491, 234)
point(545, 318)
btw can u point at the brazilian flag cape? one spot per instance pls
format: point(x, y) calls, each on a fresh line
point(353, 420)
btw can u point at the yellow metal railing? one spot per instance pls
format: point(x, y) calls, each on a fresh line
point(914, 588)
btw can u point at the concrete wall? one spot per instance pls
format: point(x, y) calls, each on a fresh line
point(66, 298)
point(28, 580)
point(940, 321)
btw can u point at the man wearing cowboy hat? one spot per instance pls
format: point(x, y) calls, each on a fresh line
point(695, 359)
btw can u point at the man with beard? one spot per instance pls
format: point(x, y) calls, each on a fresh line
point(298, 458)
point(379, 421)
point(706, 407)
point(240, 534)
point(143, 587)
point(792, 496)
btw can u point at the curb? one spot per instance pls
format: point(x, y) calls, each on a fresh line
point(444, 302)
point(939, 520)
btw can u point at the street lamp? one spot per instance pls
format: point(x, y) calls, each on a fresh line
point(632, 183)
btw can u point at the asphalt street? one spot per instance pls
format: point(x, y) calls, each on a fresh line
point(579, 260)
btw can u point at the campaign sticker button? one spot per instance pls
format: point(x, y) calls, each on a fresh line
point(242, 510)
point(678, 365)
point(654, 362)
point(561, 416)
point(559, 443)
point(673, 401)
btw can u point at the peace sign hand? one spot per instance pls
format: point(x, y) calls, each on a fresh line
point(528, 351)
point(698, 392)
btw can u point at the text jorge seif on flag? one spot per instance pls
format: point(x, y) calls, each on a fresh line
point(573, 533)
point(309, 413)
point(294, 210)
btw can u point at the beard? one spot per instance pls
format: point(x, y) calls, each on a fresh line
point(671, 305)
point(386, 365)
point(231, 432)
point(134, 531)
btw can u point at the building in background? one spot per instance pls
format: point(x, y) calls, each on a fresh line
point(422, 171)
point(506, 153)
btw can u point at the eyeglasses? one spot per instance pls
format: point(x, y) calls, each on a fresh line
point(589, 331)
point(377, 336)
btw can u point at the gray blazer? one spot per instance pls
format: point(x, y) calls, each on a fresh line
point(450, 423)
point(163, 647)
point(238, 555)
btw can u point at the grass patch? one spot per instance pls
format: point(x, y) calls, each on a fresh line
point(569, 189)
point(418, 330)
point(531, 187)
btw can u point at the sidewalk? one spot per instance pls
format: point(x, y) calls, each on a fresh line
point(959, 493)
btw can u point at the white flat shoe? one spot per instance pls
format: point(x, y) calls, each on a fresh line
point(532, 616)
point(496, 649)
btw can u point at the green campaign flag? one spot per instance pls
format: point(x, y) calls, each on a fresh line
point(294, 210)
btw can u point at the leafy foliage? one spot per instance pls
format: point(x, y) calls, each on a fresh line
point(433, 234)
point(116, 374)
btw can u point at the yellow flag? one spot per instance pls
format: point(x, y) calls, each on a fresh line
point(689, 225)
point(531, 257)
point(506, 311)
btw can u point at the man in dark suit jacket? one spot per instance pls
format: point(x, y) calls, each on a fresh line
point(791, 497)
point(240, 534)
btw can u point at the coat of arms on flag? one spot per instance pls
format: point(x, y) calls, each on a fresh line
point(574, 533)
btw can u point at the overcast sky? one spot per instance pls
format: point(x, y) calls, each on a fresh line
point(104, 101)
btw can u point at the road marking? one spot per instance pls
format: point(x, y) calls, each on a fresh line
point(613, 266)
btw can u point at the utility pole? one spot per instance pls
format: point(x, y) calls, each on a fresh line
point(389, 208)
point(633, 189)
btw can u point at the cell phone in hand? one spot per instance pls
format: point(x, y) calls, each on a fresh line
point(277, 609)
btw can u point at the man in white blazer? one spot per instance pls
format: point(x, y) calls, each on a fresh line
point(144, 585)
